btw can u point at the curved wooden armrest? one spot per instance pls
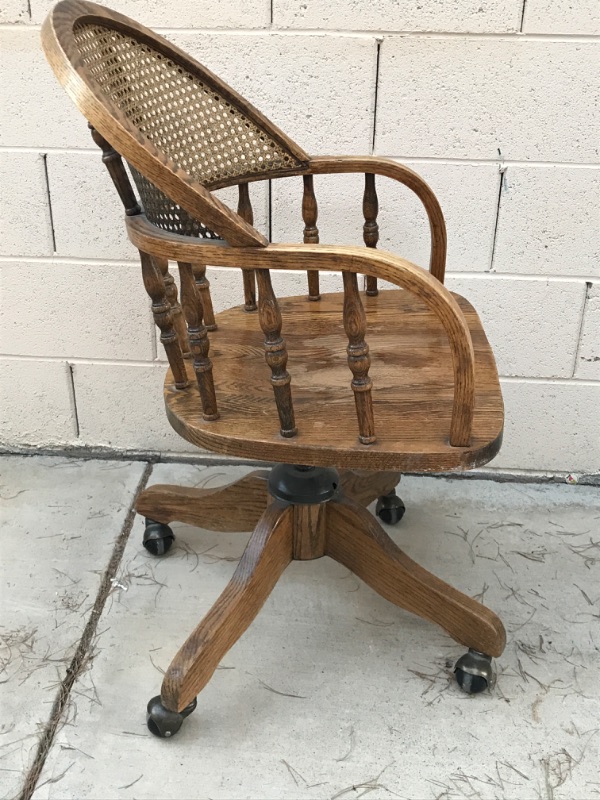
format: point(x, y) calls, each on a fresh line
point(335, 258)
point(327, 165)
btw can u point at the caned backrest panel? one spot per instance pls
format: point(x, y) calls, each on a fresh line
point(182, 130)
point(205, 134)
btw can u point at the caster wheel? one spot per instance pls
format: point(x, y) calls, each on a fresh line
point(164, 723)
point(473, 672)
point(158, 537)
point(390, 509)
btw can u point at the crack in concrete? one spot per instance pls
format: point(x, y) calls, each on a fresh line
point(82, 658)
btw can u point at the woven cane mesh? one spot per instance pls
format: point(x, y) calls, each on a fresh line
point(198, 129)
point(165, 213)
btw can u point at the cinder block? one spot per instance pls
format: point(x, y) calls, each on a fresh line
point(339, 199)
point(88, 214)
point(182, 13)
point(259, 198)
point(532, 325)
point(551, 426)
point(467, 193)
point(24, 215)
point(588, 355)
point(227, 289)
point(36, 111)
point(461, 16)
point(562, 16)
point(121, 406)
point(319, 89)
point(89, 221)
point(548, 221)
point(35, 397)
point(469, 98)
point(75, 311)
point(14, 11)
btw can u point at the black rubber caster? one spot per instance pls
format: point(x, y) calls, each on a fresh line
point(390, 509)
point(158, 537)
point(474, 672)
point(164, 723)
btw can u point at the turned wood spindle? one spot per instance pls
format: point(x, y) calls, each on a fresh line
point(359, 361)
point(163, 317)
point(244, 209)
point(198, 338)
point(310, 211)
point(203, 287)
point(275, 352)
point(370, 228)
point(114, 164)
point(171, 292)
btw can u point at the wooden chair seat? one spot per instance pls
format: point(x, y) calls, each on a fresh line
point(413, 382)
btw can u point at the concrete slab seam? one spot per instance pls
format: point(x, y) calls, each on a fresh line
point(81, 659)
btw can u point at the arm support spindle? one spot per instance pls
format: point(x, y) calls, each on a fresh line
point(163, 317)
point(199, 344)
point(359, 361)
point(275, 352)
point(244, 209)
point(310, 211)
point(370, 228)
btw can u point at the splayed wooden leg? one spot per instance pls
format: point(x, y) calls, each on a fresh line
point(235, 507)
point(355, 539)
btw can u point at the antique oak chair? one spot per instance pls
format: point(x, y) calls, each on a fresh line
point(348, 417)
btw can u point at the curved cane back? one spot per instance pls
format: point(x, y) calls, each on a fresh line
point(183, 131)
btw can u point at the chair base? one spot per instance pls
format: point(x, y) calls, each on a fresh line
point(339, 527)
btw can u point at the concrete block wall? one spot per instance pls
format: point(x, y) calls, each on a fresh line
point(495, 104)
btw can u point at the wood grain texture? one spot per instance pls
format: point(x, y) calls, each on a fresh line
point(176, 310)
point(268, 553)
point(63, 55)
point(238, 506)
point(198, 341)
point(235, 507)
point(276, 355)
point(247, 214)
point(356, 540)
point(163, 317)
point(413, 392)
point(310, 211)
point(347, 259)
point(203, 286)
point(309, 531)
point(359, 361)
point(328, 165)
point(114, 165)
point(370, 228)
point(364, 487)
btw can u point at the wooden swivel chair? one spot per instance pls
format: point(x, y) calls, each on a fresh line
point(348, 417)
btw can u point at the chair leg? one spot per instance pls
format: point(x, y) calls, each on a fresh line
point(267, 554)
point(355, 539)
point(235, 507)
point(364, 487)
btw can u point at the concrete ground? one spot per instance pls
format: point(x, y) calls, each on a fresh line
point(333, 692)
